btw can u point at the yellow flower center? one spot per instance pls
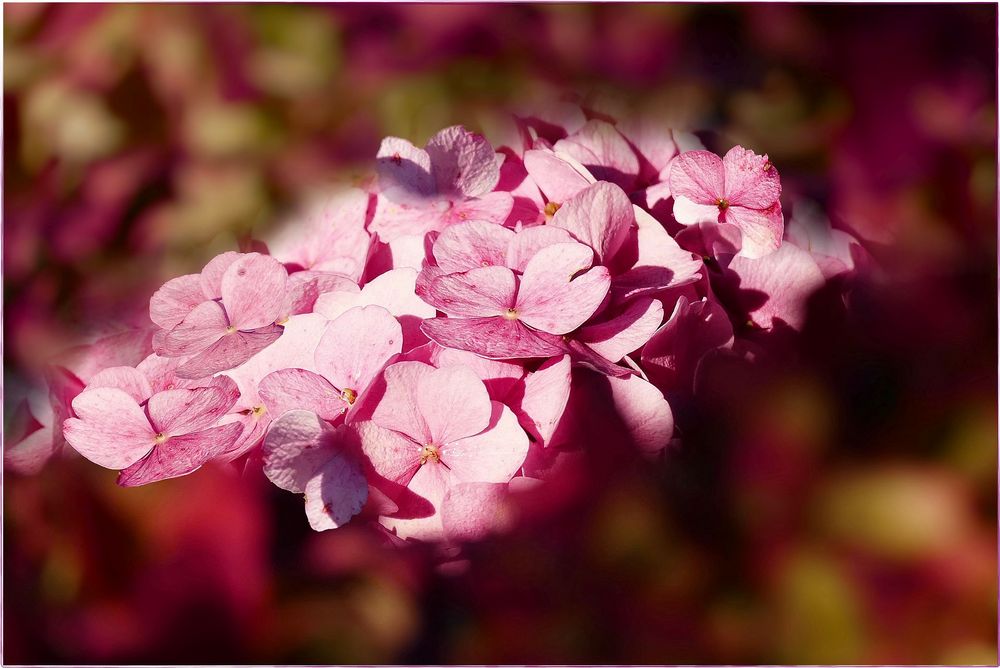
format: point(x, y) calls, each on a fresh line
point(510, 314)
point(348, 395)
point(551, 208)
point(160, 438)
point(723, 204)
point(430, 453)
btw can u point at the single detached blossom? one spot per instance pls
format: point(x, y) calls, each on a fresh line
point(740, 189)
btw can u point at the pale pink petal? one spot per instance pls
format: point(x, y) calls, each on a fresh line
point(392, 455)
point(202, 327)
point(600, 148)
point(672, 354)
point(775, 288)
point(698, 176)
point(161, 373)
point(554, 296)
point(399, 409)
point(440, 394)
point(336, 493)
point(761, 230)
point(182, 411)
point(175, 299)
point(296, 445)
point(132, 381)
point(472, 245)
point(493, 338)
point(558, 178)
point(253, 291)
point(356, 346)
point(492, 207)
point(616, 337)
point(110, 429)
point(404, 171)
point(211, 275)
point(462, 162)
point(180, 455)
point(484, 291)
point(473, 510)
point(494, 455)
point(394, 291)
point(644, 411)
point(498, 376)
point(546, 392)
point(529, 241)
point(689, 212)
point(304, 288)
point(288, 389)
point(652, 140)
point(661, 263)
point(407, 251)
point(395, 219)
point(599, 216)
point(711, 239)
point(751, 179)
point(229, 352)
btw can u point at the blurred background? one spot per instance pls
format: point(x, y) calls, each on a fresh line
point(837, 506)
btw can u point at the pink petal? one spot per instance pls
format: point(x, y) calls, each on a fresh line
point(604, 152)
point(653, 141)
point(585, 356)
point(404, 171)
point(751, 179)
point(761, 230)
point(202, 327)
point(439, 393)
point(661, 263)
point(471, 245)
point(473, 510)
point(484, 291)
point(494, 455)
point(175, 299)
point(288, 389)
point(296, 446)
point(498, 377)
point(775, 287)
point(462, 162)
point(180, 455)
point(392, 455)
point(672, 354)
point(357, 345)
point(395, 219)
point(492, 207)
point(336, 493)
point(229, 352)
point(558, 178)
point(599, 216)
point(429, 482)
point(626, 332)
point(211, 275)
point(305, 287)
point(529, 241)
point(110, 429)
point(689, 212)
point(132, 381)
point(698, 176)
point(399, 409)
point(552, 297)
point(181, 411)
point(493, 338)
point(546, 392)
point(28, 444)
point(645, 412)
point(253, 291)
point(711, 239)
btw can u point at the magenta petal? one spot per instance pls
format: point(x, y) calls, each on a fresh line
point(229, 352)
point(751, 179)
point(645, 412)
point(672, 354)
point(699, 176)
point(462, 162)
point(494, 455)
point(552, 297)
point(132, 381)
point(336, 493)
point(182, 411)
point(357, 345)
point(618, 336)
point(478, 292)
point(471, 245)
point(110, 429)
point(473, 510)
point(253, 291)
point(288, 389)
point(296, 446)
point(180, 455)
point(175, 299)
point(202, 327)
point(546, 392)
point(599, 216)
point(493, 338)
point(441, 391)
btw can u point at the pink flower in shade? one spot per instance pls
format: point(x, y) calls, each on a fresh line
point(242, 296)
point(741, 189)
point(695, 328)
point(451, 180)
point(150, 438)
point(305, 455)
point(419, 445)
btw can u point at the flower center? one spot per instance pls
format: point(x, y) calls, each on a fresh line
point(258, 410)
point(723, 204)
point(160, 438)
point(510, 314)
point(230, 330)
point(348, 395)
point(551, 208)
point(430, 453)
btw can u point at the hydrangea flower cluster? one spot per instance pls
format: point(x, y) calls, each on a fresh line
point(418, 352)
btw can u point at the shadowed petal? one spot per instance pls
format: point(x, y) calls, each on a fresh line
point(180, 455)
point(493, 338)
